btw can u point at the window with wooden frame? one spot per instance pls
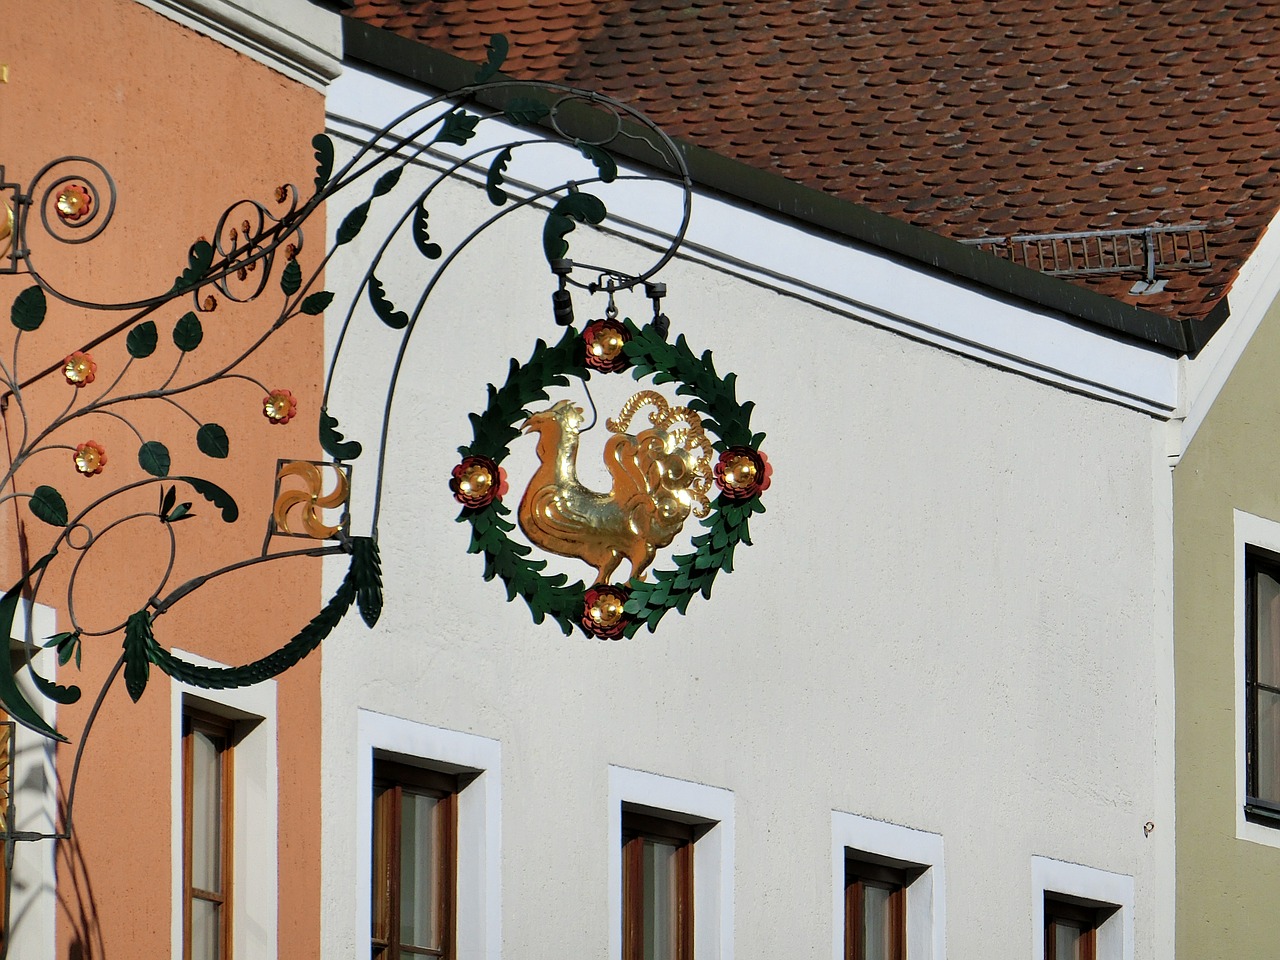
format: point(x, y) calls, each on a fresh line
point(1262, 688)
point(6, 815)
point(875, 911)
point(1070, 930)
point(657, 888)
point(207, 743)
point(415, 841)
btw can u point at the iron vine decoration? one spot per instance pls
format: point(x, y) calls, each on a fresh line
point(258, 250)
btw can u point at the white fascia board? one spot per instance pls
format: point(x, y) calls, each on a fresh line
point(852, 280)
point(1255, 289)
point(881, 290)
point(293, 37)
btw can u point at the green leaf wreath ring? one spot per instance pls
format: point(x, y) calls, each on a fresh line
point(741, 474)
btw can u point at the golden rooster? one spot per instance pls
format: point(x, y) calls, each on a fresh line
point(659, 477)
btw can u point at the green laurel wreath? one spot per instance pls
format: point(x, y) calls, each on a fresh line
point(713, 397)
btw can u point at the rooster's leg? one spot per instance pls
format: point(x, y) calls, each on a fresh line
point(610, 564)
point(641, 556)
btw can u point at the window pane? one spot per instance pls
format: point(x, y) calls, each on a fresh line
point(419, 890)
point(877, 925)
point(1267, 774)
point(660, 892)
point(1068, 940)
point(383, 811)
point(206, 812)
point(206, 929)
point(1267, 602)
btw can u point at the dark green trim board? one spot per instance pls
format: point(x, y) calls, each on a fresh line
point(840, 219)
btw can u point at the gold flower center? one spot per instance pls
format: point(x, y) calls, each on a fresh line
point(72, 203)
point(739, 472)
point(77, 371)
point(607, 610)
point(608, 345)
point(87, 460)
point(475, 481)
point(277, 408)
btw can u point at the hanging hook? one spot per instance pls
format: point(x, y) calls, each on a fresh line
point(611, 309)
point(561, 302)
point(595, 415)
point(655, 292)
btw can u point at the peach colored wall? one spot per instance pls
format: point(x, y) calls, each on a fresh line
point(185, 126)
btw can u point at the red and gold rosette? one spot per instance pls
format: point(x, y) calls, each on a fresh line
point(90, 458)
point(73, 203)
point(602, 613)
point(280, 406)
point(605, 340)
point(477, 482)
point(79, 369)
point(742, 473)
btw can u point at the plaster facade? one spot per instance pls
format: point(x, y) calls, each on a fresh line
point(185, 125)
point(1225, 501)
point(951, 644)
point(954, 621)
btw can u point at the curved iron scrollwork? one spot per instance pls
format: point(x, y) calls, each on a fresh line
point(257, 251)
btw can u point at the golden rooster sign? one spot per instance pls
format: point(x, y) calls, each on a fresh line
point(659, 477)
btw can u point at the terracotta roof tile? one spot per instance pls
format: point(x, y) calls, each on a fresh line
point(967, 117)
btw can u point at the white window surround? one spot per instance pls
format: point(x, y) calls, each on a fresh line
point(255, 806)
point(926, 895)
point(1250, 531)
point(479, 892)
point(34, 907)
point(1095, 887)
point(712, 855)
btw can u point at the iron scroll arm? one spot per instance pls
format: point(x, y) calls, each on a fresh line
point(73, 200)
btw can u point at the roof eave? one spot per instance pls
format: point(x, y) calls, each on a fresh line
point(775, 194)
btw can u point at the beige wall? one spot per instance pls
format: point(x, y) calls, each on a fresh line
point(185, 126)
point(1226, 884)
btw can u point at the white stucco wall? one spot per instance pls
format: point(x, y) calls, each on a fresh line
point(954, 619)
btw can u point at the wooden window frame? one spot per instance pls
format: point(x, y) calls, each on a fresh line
point(7, 815)
point(193, 720)
point(389, 782)
point(636, 829)
point(1257, 809)
point(1056, 909)
point(857, 874)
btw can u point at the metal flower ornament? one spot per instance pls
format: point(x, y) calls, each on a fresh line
point(674, 459)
